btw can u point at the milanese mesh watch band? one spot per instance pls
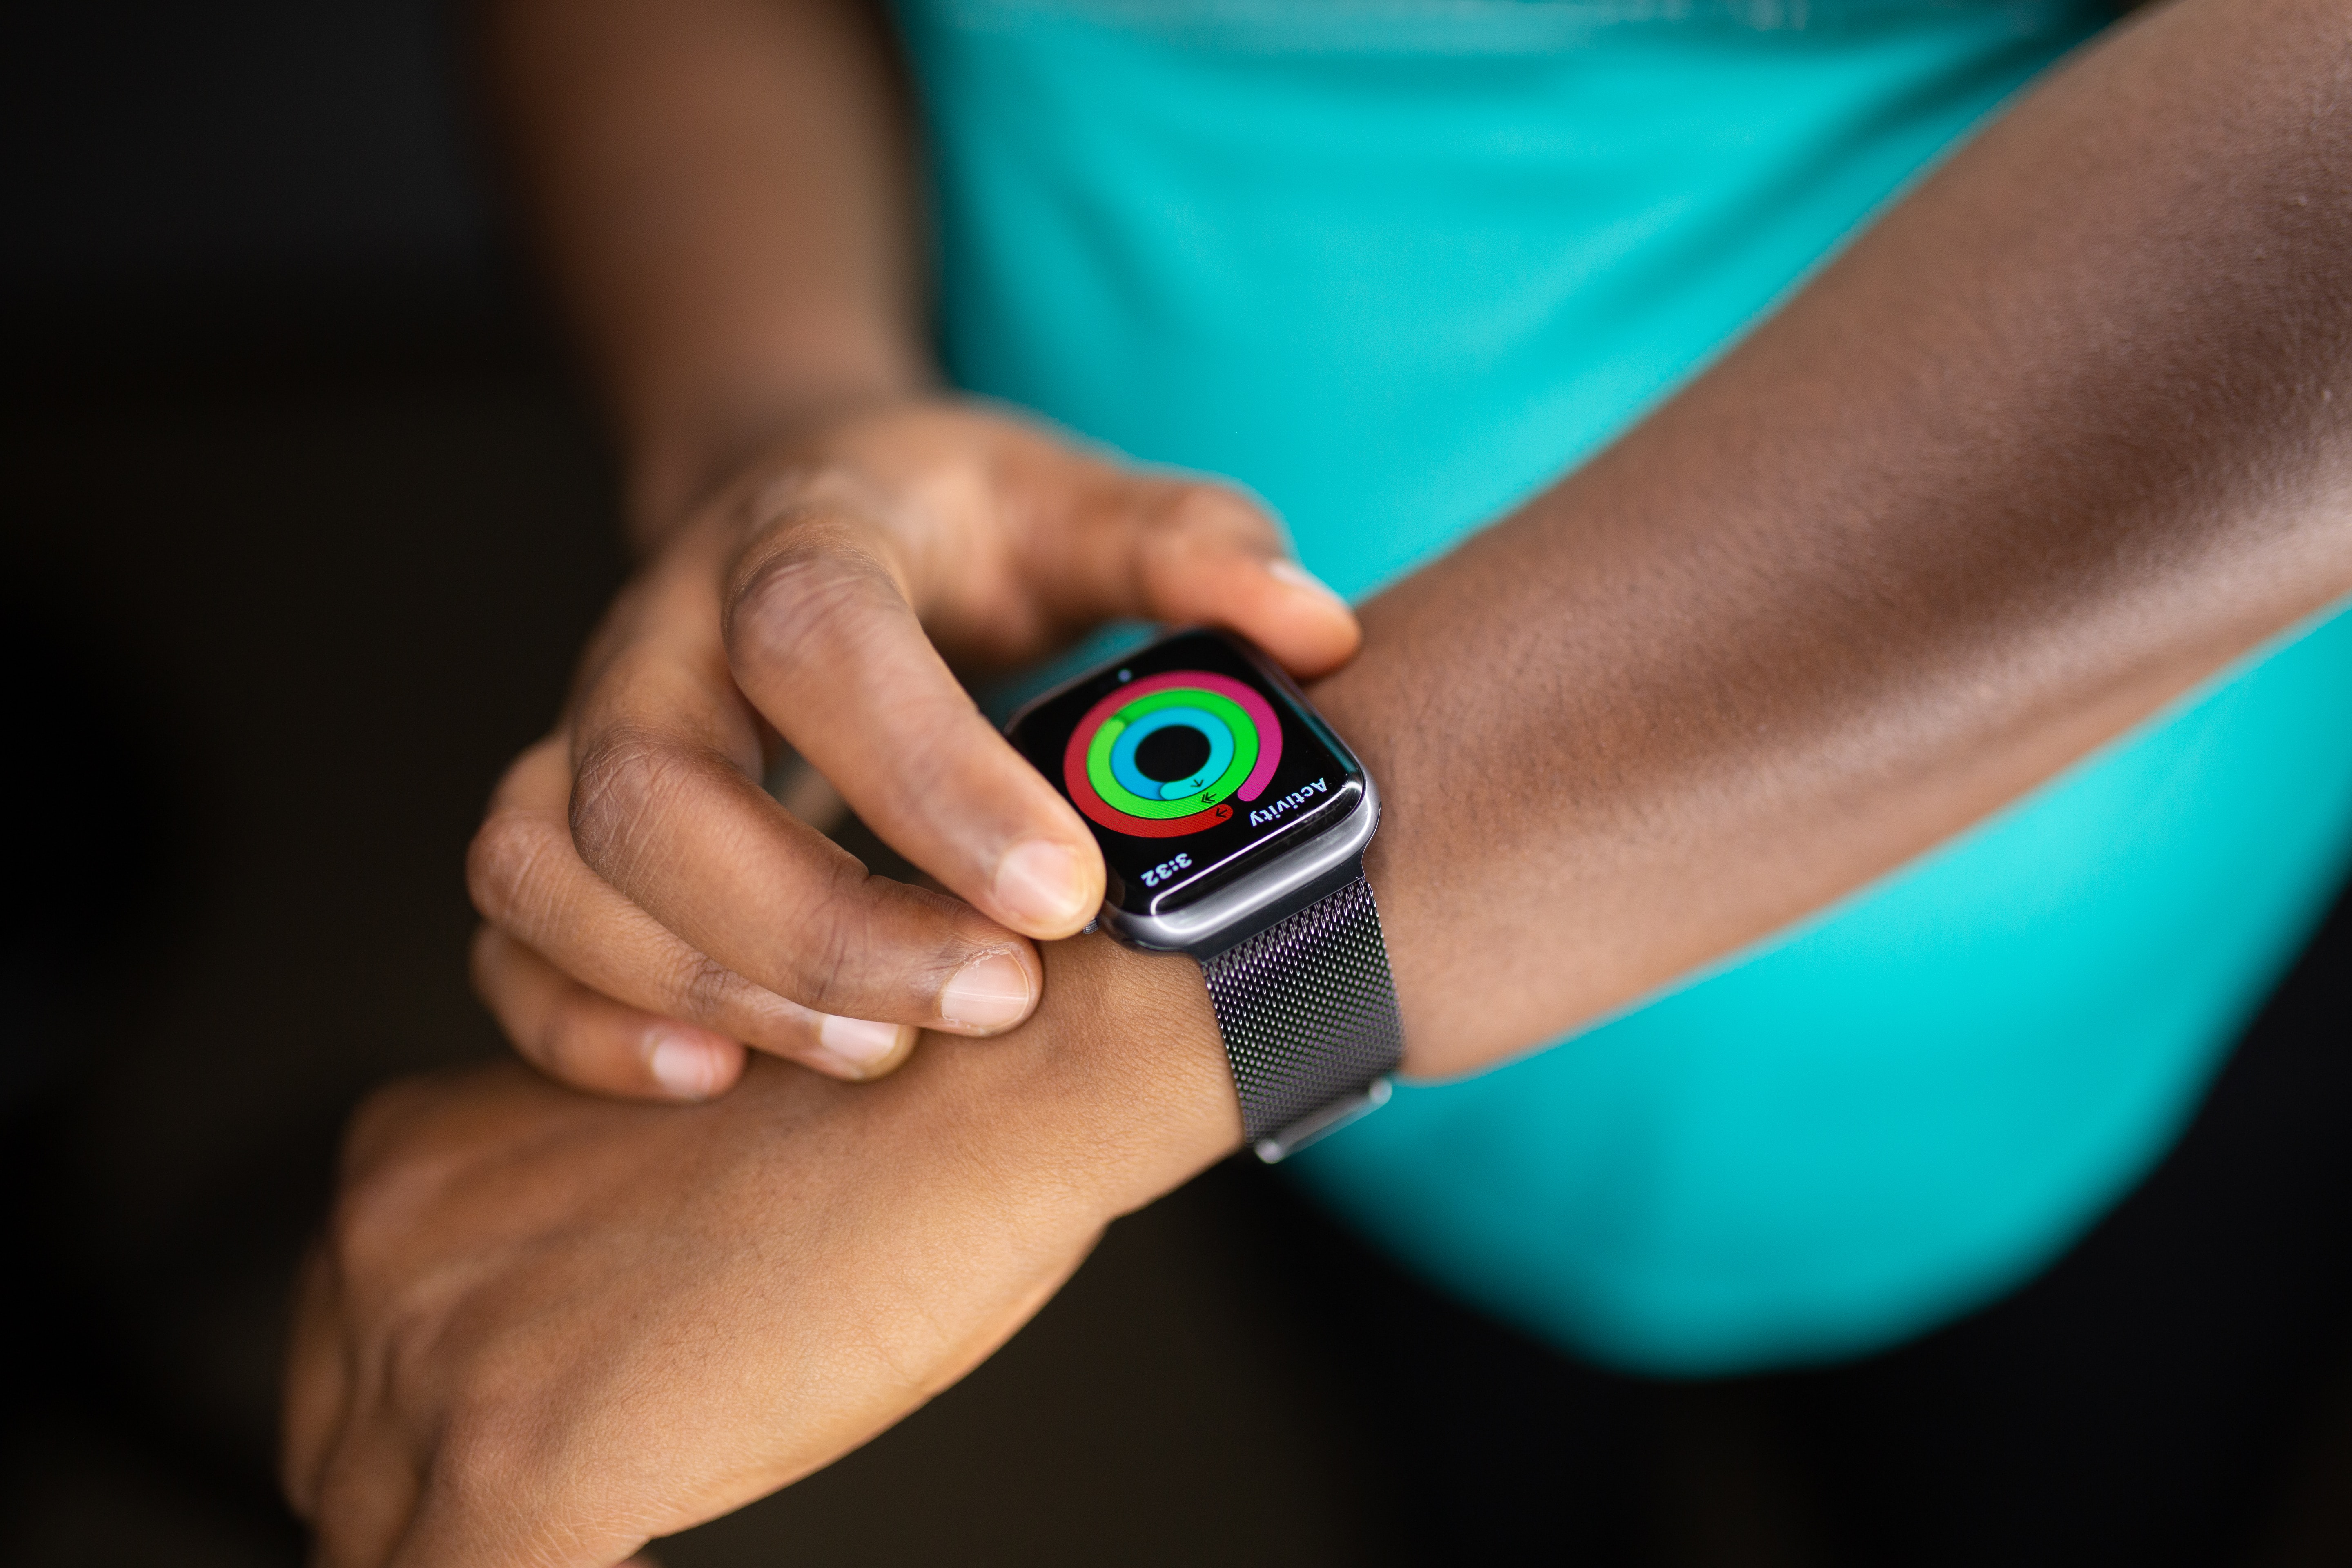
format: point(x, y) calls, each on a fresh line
point(1310, 1016)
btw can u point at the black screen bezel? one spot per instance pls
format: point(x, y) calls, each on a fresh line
point(1041, 731)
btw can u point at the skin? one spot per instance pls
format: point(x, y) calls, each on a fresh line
point(726, 187)
point(652, 911)
point(547, 1328)
point(2063, 435)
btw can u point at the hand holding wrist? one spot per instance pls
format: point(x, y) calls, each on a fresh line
point(650, 903)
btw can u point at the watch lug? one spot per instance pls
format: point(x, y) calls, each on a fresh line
point(1277, 1147)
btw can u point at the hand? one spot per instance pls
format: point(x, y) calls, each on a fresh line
point(545, 1329)
point(652, 911)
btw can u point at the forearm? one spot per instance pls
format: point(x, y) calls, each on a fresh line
point(2055, 441)
point(2049, 445)
point(725, 187)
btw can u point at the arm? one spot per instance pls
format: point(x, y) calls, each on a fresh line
point(2053, 442)
point(2057, 440)
point(725, 189)
point(2060, 437)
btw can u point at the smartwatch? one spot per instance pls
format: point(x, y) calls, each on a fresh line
point(1232, 824)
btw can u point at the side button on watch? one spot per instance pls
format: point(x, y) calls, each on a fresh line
point(1233, 823)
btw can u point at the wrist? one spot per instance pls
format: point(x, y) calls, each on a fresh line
point(1120, 1081)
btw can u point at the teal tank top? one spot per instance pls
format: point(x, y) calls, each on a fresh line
point(1396, 264)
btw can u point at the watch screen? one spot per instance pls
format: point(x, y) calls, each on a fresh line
point(1189, 762)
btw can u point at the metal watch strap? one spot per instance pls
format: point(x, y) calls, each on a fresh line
point(1310, 1016)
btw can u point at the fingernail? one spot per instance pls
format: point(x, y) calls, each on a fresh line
point(989, 993)
point(1283, 569)
point(687, 1068)
point(1042, 882)
point(860, 1043)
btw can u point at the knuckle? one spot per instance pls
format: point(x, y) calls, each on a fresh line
point(627, 784)
point(830, 962)
point(867, 947)
point(370, 1216)
point(832, 970)
point(500, 860)
point(1215, 512)
point(400, 1157)
point(801, 602)
point(704, 989)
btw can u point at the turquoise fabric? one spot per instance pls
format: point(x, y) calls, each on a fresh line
point(1397, 264)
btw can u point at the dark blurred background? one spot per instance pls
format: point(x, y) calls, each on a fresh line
point(306, 511)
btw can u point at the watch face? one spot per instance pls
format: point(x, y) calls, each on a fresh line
point(1192, 764)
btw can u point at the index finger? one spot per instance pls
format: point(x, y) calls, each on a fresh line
point(823, 639)
point(666, 807)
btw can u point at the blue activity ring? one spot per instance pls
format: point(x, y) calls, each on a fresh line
point(1122, 753)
